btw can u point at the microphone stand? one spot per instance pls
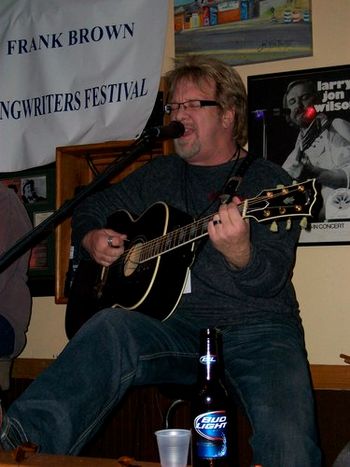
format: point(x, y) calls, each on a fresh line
point(41, 231)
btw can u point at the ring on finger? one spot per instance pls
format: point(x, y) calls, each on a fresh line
point(216, 221)
point(110, 241)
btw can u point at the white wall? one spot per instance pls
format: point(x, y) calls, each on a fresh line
point(46, 336)
point(322, 273)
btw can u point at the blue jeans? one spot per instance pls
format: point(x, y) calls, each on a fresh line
point(265, 365)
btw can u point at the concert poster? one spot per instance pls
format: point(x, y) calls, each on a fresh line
point(301, 121)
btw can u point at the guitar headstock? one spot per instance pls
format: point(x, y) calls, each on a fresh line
point(296, 200)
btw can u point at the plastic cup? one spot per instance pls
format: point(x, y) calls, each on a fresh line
point(173, 447)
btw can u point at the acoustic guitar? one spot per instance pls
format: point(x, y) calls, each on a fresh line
point(151, 274)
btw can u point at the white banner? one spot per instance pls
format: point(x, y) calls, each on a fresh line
point(76, 72)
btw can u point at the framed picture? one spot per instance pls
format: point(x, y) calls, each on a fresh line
point(301, 121)
point(36, 189)
point(242, 32)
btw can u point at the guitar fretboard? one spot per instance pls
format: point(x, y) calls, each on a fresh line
point(174, 239)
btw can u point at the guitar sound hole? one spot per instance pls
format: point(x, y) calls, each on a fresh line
point(132, 260)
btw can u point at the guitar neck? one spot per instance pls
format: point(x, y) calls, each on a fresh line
point(175, 239)
point(283, 202)
point(316, 128)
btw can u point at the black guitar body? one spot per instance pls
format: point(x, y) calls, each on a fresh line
point(152, 287)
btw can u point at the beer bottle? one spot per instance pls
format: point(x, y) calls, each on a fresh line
point(210, 439)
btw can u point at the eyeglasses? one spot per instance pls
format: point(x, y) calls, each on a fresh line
point(189, 105)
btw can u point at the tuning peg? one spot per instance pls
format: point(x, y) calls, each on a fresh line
point(303, 223)
point(288, 224)
point(274, 227)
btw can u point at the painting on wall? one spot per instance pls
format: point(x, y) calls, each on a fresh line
point(300, 120)
point(243, 31)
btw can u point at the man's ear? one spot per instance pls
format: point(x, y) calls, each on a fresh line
point(228, 117)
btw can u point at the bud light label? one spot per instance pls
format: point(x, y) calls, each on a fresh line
point(211, 427)
point(207, 359)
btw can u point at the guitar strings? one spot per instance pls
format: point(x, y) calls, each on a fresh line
point(187, 234)
point(197, 226)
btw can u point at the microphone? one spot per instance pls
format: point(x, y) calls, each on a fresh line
point(175, 129)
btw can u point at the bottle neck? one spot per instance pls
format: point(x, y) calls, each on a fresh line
point(209, 358)
point(208, 371)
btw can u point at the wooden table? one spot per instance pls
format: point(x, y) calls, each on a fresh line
point(7, 459)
